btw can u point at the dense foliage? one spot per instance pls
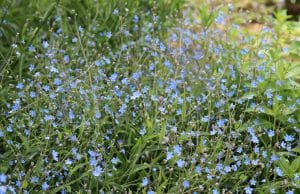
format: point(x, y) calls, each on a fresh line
point(128, 97)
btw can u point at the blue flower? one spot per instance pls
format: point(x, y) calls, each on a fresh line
point(169, 155)
point(271, 133)
point(135, 19)
point(177, 149)
point(186, 184)
point(3, 178)
point(57, 81)
point(248, 190)
point(215, 191)
point(272, 191)
point(31, 48)
point(274, 158)
point(45, 186)
point(32, 94)
point(113, 77)
point(254, 139)
point(145, 181)
point(180, 163)
point(34, 179)
point(254, 83)
point(252, 181)
point(135, 95)
point(108, 34)
point(289, 138)
point(136, 75)
point(220, 18)
point(168, 64)
point(142, 131)
point(20, 86)
point(54, 155)
point(205, 119)
point(97, 171)
point(116, 12)
point(71, 115)
point(9, 129)
point(114, 160)
point(66, 58)
point(278, 171)
point(3, 189)
point(221, 122)
point(45, 44)
point(198, 169)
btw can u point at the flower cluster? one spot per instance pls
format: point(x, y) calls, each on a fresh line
point(193, 112)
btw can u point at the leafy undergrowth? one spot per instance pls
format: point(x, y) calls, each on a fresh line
point(203, 110)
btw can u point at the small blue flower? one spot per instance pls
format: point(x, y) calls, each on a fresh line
point(20, 86)
point(142, 131)
point(135, 19)
point(122, 109)
point(252, 181)
point(45, 186)
point(254, 139)
point(180, 163)
point(248, 190)
point(3, 178)
point(57, 81)
point(244, 51)
point(145, 181)
point(186, 184)
point(220, 18)
point(108, 34)
point(215, 191)
point(32, 94)
point(289, 138)
point(177, 149)
point(261, 54)
point(97, 171)
point(54, 155)
point(113, 77)
point(169, 155)
point(66, 59)
point(271, 133)
point(274, 158)
point(71, 115)
point(116, 12)
point(114, 160)
point(9, 129)
point(221, 122)
point(45, 44)
point(34, 179)
point(3, 189)
point(254, 83)
point(31, 48)
point(278, 171)
point(198, 169)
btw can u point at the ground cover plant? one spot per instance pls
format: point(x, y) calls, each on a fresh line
point(148, 97)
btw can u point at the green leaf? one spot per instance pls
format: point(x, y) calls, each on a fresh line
point(296, 150)
point(285, 166)
point(295, 164)
point(249, 95)
point(243, 177)
point(24, 184)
